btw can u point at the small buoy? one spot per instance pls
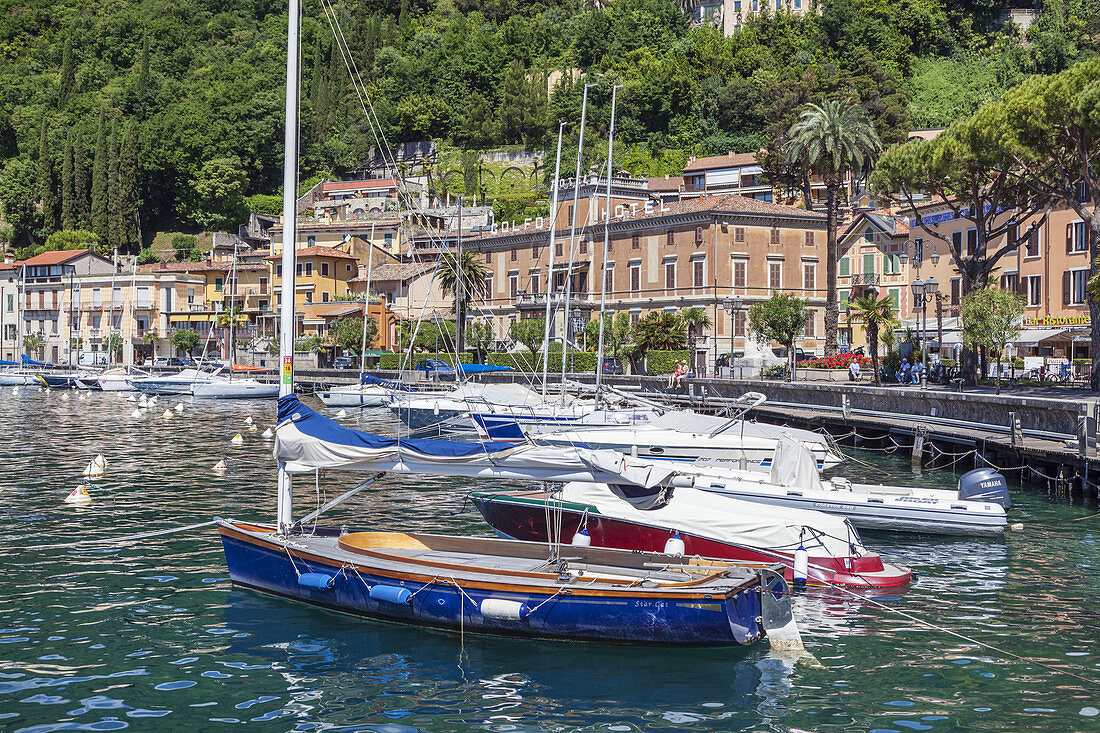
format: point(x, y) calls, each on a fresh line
point(14, 391)
point(94, 469)
point(167, 414)
point(237, 439)
point(267, 434)
point(342, 413)
point(100, 461)
point(179, 407)
point(1016, 527)
point(65, 397)
point(499, 608)
point(435, 408)
point(135, 413)
point(581, 538)
point(131, 398)
point(79, 495)
point(251, 428)
point(82, 396)
point(674, 545)
point(221, 466)
point(248, 420)
point(801, 565)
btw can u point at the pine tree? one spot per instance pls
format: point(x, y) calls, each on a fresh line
point(80, 181)
point(128, 188)
point(68, 74)
point(114, 201)
point(47, 193)
point(99, 179)
point(68, 208)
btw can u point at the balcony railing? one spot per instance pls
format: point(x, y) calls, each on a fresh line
point(532, 300)
point(866, 278)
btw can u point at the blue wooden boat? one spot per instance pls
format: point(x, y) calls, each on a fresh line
point(508, 587)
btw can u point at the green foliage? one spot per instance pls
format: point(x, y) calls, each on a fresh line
point(529, 332)
point(78, 239)
point(618, 336)
point(429, 336)
point(579, 361)
point(151, 337)
point(216, 198)
point(877, 316)
point(33, 343)
point(394, 361)
point(658, 331)
point(479, 337)
point(991, 319)
point(264, 204)
point(147, 256)
point(659, 361)
point(184, 245)
point(348, 333)
point(185, 340)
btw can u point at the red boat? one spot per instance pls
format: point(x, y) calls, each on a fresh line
point(709, 526)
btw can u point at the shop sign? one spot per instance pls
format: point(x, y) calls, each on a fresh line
point(1057, 321)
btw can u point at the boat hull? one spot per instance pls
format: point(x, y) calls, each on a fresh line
point(59, 381)
point(524, 518)
point(270, 566)
point(234, 390)
point(354, 398)
point(13, 379)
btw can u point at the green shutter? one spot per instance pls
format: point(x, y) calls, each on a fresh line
point(868, 264)
point(895, 297)
point(844, 299)
point(844, 267)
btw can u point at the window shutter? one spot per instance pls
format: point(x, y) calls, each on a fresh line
point(844, 267)
point(698, 234)
point(670, 239)
point(1069, 238)
point(1067, 285)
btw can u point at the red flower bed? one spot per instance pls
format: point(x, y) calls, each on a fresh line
point(840, 361)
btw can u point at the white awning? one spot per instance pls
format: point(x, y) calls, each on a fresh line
point(1035, 336)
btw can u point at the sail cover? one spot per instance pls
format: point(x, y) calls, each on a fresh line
point(306, 441)
point(372, 380)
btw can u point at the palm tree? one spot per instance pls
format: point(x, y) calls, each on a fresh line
point(831, 138)
point(694, 321)
point(467, 276)
point(658, 331)
point(875, 314)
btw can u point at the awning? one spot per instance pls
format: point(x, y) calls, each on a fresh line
point(1036, 336)
point(949, 339)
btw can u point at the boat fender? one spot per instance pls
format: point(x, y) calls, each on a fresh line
point(801, 566)
point(320, 581)
point(582, 538)
point(984, 484)
point(391, 594)
point(674, 545)
point(498, 608)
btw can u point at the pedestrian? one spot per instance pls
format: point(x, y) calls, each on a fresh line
point(854, 372)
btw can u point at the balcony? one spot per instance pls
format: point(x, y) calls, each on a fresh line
point(538, 300)
point(866, 278)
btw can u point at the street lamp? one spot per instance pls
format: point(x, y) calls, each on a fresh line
point(732, 306)
point(922, 292)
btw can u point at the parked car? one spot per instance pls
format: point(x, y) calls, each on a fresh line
point(612, 365)
point(183, 362)
point(799, 354)
point(344, 362)
point(437, 366)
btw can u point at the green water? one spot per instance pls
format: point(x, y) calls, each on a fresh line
point(153, 636)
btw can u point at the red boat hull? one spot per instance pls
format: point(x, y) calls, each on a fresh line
point(524, 518)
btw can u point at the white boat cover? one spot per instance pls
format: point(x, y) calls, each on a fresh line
point(793, 465)
point(747, 523)
point(686, 421)
point(306, 441)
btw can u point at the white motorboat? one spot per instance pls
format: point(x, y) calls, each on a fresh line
point(178, 383)
point(18, 377)
point(234, 389)
point(454, 407)
point(120, 380)
point(686, 436)
point(370, 392)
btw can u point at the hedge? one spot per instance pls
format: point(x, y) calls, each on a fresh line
point(393, 361)
point(579, 361)
point(663, 362)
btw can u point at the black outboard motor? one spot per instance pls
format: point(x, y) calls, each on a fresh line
point(984, 484)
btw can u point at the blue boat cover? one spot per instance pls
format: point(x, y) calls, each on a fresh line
point(28, 360)
point(482, 368)
point(5, 362)
point(368, 379)
point(318, 427)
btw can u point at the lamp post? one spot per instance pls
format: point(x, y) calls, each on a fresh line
point(732, 306)
point(922, 292)
point(576, 323)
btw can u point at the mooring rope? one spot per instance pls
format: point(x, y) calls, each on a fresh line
point(125, 539)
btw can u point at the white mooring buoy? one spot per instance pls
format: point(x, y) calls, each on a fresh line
point(167, 414)
point(221, 466)
point(136, 413)
point(79, 495)
point(237, 439)
point(674, 545)
point(248, 420)
point(179, 407)
point(342, 413)
point(267, 433)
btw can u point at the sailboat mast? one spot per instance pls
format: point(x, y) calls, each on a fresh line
point(232, 315)
point(366, 303)
point(572, 243)
point(606, 241)
point(133, 312)
point(550, 268)
point(285, 505)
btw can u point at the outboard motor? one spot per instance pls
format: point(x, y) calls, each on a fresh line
point(984, 484)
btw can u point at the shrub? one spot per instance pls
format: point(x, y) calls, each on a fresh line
point(663, 362)
point(773, 372)
point(579, 361)
point(840, 361)
point(393, 361)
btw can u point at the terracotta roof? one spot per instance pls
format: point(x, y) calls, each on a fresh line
point(204, 266)
point(331, 310)
point(883, 220)
point(729, 203)
point(729, 160)
point(318, 251)
point(396, 271)
point(366, 183)
point(665, 183)
point(56, 257)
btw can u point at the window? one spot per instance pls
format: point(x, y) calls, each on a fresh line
point(809, 331)
point(278, 270)
point(570, 214)
point(309, 269)
point(309, 296)
point(697, 272)
point(324, 269)
point(1011, 282)
point(11, 302)
point(513, 254)
point(324, 296)
point(299, 268)
point(634, 316)
point(488, 258)
point(809, 277)
point(1012, 234)
point(609, 277)
point(513, 285)
point(635, 242)
point(868, 235)
point(842, 299)
point(868, 264)
point(116, 297)
point(775, 235)
point(1074, 287)
point(635, 278)
point(97, 298)
point(535, 283)
point(798, 6)
point(143, 297)
point(347, 267)
point(670, 239)
point(263, 305)
point(895, 296)
point(1034, 290)
point(1032, 247)
point(263, 286)
point(971, 242)
point(219, 285)
point(809, 239)
point(956, 291)
point(534, 250)
point(388, 240)
point(311, 240)
point(1077, 237)
point(670, 277)
point(739, 268)
point(698, 235)
point(739, 234)
point(557, 246)
point(956, 242)
point(584, 245)
point(739, 323)
point(775, 275)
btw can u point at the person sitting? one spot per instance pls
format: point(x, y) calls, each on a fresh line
point(681, 372)
point(854, 373)
point(905, 370)
point(675, 377)
point(914, 374)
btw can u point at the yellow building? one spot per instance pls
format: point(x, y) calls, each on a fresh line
point(321, 276)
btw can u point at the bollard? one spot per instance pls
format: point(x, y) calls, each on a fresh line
point(845, 406)
point(1082, 430)
point(1096, 425)
point(918, 450)
point(1013, 425)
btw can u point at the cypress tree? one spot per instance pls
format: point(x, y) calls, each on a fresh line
point(80, 181)
point(99, 179)
point(317, 96)
point(68, 209)
point(68, 74)
point(114, 201)
point(142, 83)
point(128, 188)
point(47, 193)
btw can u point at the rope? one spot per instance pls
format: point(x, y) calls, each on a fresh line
point(126, 539)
